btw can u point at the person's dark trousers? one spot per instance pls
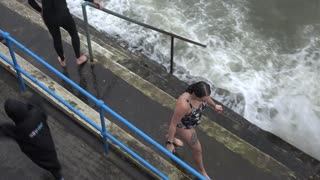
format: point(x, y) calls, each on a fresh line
point(66, 22)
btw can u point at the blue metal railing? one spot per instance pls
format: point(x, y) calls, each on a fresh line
point(102, 107)
point(85, 19)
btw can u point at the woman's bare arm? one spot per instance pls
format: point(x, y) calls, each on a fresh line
point(213, 104)
point(180, 111)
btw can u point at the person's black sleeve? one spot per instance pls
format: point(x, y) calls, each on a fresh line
point(7, 130)
point(1, 39)
point(35, 5)
point(89, 0)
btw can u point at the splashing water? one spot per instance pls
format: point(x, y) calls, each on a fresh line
point(267, 52)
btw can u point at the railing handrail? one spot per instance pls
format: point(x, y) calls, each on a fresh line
point(100, 104)
point(136, 22)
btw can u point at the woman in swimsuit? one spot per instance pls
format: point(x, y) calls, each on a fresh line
point(186, 117)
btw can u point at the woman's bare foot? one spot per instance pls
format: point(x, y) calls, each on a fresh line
point(62, 62)
point(205, 175)
point(82, 59)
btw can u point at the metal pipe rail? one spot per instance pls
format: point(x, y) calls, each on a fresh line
point(85, 18)
point(102, 107)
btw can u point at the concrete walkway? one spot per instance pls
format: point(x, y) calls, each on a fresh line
point(81, 154)
point(235, 153)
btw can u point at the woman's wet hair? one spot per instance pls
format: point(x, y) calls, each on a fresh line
point(200, 89)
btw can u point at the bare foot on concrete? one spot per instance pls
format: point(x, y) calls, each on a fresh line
point(82, 60)
point(62, 62)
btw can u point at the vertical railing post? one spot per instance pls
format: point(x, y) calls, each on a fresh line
point(15, 63)
point(86, 27)
point(172, 54)
point(103, 126)
point(99, 103)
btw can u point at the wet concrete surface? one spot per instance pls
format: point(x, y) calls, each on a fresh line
point(304, 166)
point(301, 163)
point(80, 153)
point(149, 115)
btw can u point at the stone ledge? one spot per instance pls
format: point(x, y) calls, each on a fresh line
point(163, 165)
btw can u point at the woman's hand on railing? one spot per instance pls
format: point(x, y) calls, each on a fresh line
point(98, 3)
point(218, 108)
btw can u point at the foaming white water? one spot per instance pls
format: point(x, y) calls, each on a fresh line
point(280, 89)
point(297, 100)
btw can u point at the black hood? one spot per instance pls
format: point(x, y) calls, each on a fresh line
point(16, 110)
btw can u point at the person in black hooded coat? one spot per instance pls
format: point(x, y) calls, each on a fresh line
point(31, 131)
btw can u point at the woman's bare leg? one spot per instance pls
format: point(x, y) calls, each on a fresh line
point(190, 137)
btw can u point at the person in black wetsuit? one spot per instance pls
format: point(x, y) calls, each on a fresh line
point(186, 117)
point(31, 131)
point(55, 14)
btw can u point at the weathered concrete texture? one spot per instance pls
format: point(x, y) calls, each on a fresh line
point(112, 128)
point(302, 164)
point(142, 86)
point(81, 154)
point(150, 109)
point(234, 125)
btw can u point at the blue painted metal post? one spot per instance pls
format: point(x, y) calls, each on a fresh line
point(103, 126)
point(15, 64)
point(158, 146)
point(101, 106)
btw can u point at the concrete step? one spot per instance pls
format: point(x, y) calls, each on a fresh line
point(81, 154)
point(145, 94)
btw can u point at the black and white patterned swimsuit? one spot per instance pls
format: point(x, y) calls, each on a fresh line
point(192, 119)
